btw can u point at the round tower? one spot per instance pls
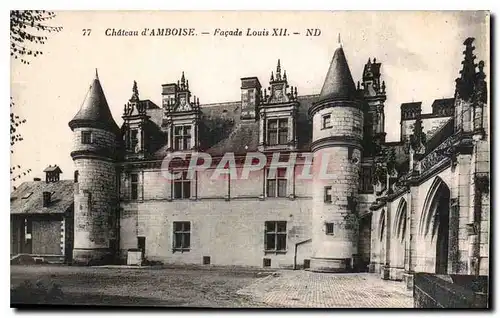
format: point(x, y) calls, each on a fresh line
point(95, 194)
point(337, 134)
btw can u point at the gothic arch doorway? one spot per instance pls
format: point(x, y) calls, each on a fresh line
point(400, 249)
point(381, 234)
point(381, 226)
point(436, 222)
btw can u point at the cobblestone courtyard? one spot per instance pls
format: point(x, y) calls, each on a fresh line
point(307, 289)
point(213, 287)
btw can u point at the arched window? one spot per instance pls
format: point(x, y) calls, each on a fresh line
point(76, 176)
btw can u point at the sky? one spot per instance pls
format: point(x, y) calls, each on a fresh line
point(420, 52)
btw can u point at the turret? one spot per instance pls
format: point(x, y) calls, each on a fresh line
point(337, 134)
point(94, 153)
point(135, 120)
point(464, 90)
point(374, 93)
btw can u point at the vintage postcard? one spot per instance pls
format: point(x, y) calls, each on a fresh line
point(274, 159)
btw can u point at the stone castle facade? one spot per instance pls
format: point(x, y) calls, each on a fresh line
point(420, 204)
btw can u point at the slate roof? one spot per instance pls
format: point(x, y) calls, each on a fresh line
point(222, 130)
point(338, 82)
point(94, 111)
point(28, 197)
point(244, 138)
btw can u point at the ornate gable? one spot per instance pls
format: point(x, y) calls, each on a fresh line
point(177, 97)
point(278, 88)
point(278, 114)
point(181, 116)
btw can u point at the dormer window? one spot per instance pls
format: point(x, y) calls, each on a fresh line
point(86, 137)
point(327, 121)
point(277, 131)
point(133, 138)
point(182, 137)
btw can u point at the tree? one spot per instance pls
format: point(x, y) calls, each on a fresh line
point(15, 136)
point(27, 28)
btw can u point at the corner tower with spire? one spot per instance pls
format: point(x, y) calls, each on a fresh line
point(95, 136)
point(337, 134)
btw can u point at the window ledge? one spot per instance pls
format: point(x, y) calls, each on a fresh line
point(326, 127)
point(181, 250)
point(275, 252)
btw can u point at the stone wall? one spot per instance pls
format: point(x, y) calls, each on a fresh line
point(345, 121)
point(344, 188)
point(101, 139)
point(154, 185)
point(339, 145)
point(95, 195)
point(95, 204)
point(450, 291)
point(230, 232)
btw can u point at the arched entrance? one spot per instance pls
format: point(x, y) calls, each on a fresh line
point(441, 230)
point(400, 249)
point(436, 222)
point(381, 236)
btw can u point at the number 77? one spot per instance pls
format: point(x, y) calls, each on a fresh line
point(86, 32)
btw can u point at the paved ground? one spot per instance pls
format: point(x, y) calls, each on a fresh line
point(212, 287)
point(306, 289)
point(199, 287)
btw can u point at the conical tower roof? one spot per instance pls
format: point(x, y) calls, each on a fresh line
point(338, 84)
point(94, 111)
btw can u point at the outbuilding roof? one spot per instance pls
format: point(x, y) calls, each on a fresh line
point(28, 197)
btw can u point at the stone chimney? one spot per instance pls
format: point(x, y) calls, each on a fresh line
point(46, 198)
